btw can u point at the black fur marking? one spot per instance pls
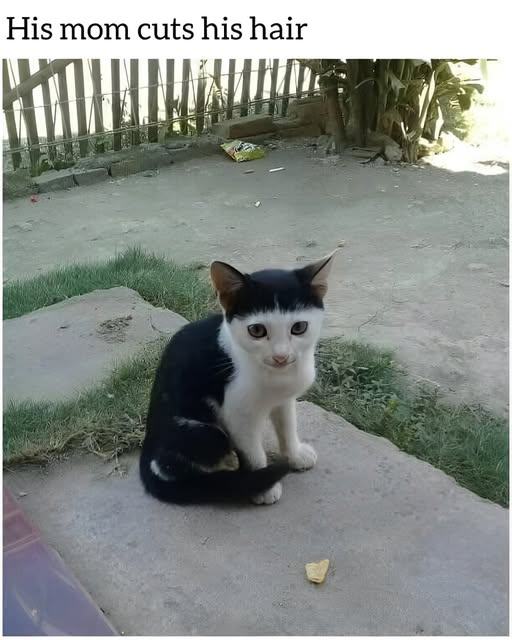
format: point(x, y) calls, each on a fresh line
point(262, 290)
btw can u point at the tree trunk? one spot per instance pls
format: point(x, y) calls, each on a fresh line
point(334, 115)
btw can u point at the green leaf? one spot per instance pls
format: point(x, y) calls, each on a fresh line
point(395, 82)
point(464, 101)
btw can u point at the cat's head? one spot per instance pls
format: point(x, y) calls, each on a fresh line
point(275, 315)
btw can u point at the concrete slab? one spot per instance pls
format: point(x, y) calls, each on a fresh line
point(54, 180)
point(244, 127)
point(402, 279)
point(87, 177)
point(411, 552)
point(56, 352)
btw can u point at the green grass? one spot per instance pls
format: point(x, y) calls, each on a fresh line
point(106, 420)
point(359, 382)
point(367, 388)
point(159, 281)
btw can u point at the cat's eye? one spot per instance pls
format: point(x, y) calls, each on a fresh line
point(257, 330)
point(299, 328)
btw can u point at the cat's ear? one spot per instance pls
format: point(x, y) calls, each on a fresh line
point(227, 282)
point(317, 273)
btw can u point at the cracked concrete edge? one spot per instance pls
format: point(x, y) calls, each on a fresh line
point(110, 165)
point(381, 441)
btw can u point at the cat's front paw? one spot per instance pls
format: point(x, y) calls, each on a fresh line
point(304, 459)
point(270, 496)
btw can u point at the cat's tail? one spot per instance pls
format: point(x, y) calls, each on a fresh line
point(217, 486)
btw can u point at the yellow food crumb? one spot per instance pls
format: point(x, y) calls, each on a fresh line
point(316, 571)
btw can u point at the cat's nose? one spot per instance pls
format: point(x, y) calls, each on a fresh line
point(280, 358)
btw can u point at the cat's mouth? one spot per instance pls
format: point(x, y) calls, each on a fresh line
point(279, 365)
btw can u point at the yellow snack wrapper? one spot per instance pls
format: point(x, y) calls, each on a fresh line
point(242, 151)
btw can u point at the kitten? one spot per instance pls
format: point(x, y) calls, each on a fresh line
point(219, 380)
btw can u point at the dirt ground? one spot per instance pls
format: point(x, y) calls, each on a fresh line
point(423, 268)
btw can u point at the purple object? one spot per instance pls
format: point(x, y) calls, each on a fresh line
point(41, 596)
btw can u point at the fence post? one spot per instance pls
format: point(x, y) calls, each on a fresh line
point(153, 100)
point(201, 85)
point(134, 100)
point(81, 114)
point(246, 87)
point(300, 80)
point(216, 90)
point(97, 103)
point(231, 88)
point(48, 118)
point(116, 102)
point(169, 93)
point(273, 87)
point(185, 76)
point(64, 111)
point(262, 66)
point(10, 120)
point(286, 87)
point(29, 113)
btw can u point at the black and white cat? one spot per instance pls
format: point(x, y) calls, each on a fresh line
point(221, 378)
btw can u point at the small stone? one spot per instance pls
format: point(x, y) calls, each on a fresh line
point(477, 266)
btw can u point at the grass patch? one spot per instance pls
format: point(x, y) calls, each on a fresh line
point(358, 382)
point(107, 420)
point(366, 387)
point(159, 281)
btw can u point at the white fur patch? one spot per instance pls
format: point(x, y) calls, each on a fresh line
point(250, 354)
point(187, 422)
point(155, 468)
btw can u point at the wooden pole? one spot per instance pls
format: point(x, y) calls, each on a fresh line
point(246, 87)
point(116, 102)
point(201, 87)
point(81, 113)
point(34, 81)
point(231, 88)
point(185, 77)
point(286, 87)
point(217, 89)
point(10, 120)
point(48, 117)
point(153, 100)
point(273, 87)
point(27, 100)
point(64, 111)
point(300, 80)
point(97, 103)
point(134, 99)
point(262, 67)
point(169, 91)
